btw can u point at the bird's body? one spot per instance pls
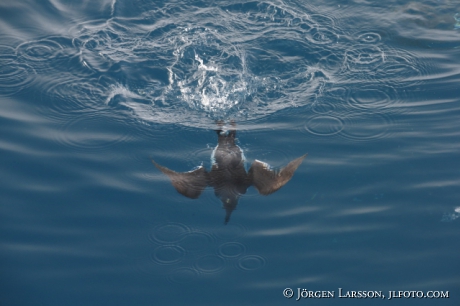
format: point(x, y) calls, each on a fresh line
point(228, 175)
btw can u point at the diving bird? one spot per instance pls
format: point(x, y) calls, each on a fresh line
point(228, 175)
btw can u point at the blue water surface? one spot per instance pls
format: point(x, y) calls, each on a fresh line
point(91, 91)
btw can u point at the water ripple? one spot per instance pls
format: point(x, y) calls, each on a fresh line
point(200, 154)
point(210, 73)
point(39, 51)
point(368, 37)
point(366, 127)
point(251, 262)
point(259, 59)
point(402, 69)
point(167, 255)
point(69, 95)
point(364, 59)
point(232, 249)
point(372, 97)
point(169, 233)
point(7, 54)
point(323, 19)
point(89, 132)
point(326, 105)
point(210, 264)
point(322, 36)
point(15, 77)
point(324, 125)
point(49, 55)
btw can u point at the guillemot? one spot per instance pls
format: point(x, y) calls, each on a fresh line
point(228, 175)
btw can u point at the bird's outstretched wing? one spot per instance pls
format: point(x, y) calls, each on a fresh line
point(267, 180)
point(189, 184)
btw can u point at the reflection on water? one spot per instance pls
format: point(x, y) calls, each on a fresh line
point(182, 254)
point(191, 70)
point(91, 89)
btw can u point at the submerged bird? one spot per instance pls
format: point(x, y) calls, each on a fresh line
point(228, 175)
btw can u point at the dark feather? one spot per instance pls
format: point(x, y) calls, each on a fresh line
point(267, 180)
point(190, 184)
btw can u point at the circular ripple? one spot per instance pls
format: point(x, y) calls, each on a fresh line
point(15, 78)
point(372, 97)
point(369, 37)
point(197, 241)
point(92, 133)
point(210, 264)
point(323, 106)
point(169, 233)
point(330, 62)
point(366, 127)
point(322, 36)
point(322, 19)
point(232, 249)
point(183, 275)
point(7, 54)
point(329, 104)
point(205, 76)
point(67, 95)
point(402, 68)
point(168, 255)
point(205, 73)
point(364, 58)
point(48, 56)
point(39, 51)
point(198, 155)
point(251, 262)
point(324, 125)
